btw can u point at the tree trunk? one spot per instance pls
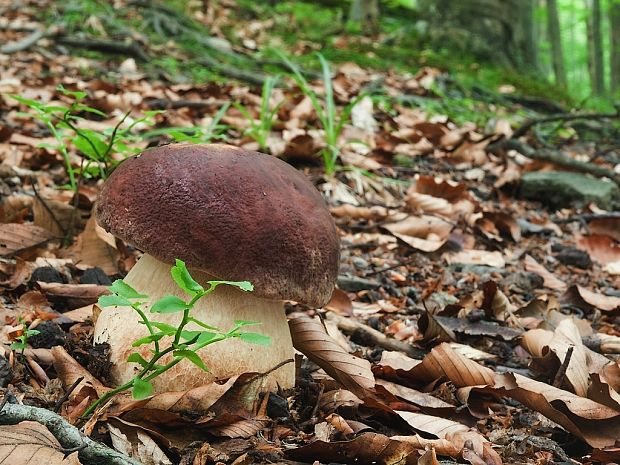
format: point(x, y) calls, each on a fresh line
point(557, 57)
point(595, 48)
point(365, 13)
point(614, 55)
point(528, 31)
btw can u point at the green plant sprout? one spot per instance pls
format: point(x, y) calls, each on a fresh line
point(260, 128)
point(185, 343)
point(194, 134)
point(96, 148)
point(325, 107)
point(21, 342)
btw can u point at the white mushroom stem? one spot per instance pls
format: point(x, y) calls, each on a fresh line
point(120, 327)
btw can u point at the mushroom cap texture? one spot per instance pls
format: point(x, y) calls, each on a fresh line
point(233, 213)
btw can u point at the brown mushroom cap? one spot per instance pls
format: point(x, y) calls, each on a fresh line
point(233, 213)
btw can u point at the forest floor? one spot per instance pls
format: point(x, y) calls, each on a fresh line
point(484, 317)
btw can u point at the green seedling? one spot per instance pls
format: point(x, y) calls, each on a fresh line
point(184, 343)
point(21, 342)
point(260, 128)
point(194, 134)
point(95, 148)
point(332, 119)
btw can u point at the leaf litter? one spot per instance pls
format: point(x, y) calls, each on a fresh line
point(472, 338)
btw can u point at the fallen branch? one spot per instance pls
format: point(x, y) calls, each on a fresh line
point(164, 104)
point(521, 131)
point(556, 157)
point(25, 43)
point(68, 435)
point(371, 336)
point(132, 49)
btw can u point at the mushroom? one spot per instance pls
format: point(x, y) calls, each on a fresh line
point(230, 214)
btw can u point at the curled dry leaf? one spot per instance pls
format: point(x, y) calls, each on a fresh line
point(605, 227)
point(340, 303)
point(426, 233)
point(596, 424)
point(456, 433)
point(601, 248)
point(95, 247)
point(135, 443)
point(550, 280)
point(15, 238)
point(588, 300)
point(366, 448)
point(311, 339)
point(424, 203)
point(477, 257)
point(74, 295)
point(354, 212)
point(31, 443)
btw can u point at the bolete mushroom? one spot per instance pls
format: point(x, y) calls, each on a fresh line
point(230, 214)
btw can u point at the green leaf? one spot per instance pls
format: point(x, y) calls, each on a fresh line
point(147, 339)
point(192, 357)
point(190, 335)
point(242, 323)
point(167, 329)
point(88, 109)
point(202, 324)
point(141, 389)
point(123, 289)
point(184, 280)
point(255, 338)
point(137, 358)
point(206, 337)
point(90, 143)
point(169, 304)
point(76, 94)
point(243, 285)
point(113, 301)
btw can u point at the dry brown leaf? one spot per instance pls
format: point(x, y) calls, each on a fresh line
point(603, 249)
point(354, 212)
point(339, 423)
point(74, 295)
point(134, 443)
point(340, 303)
point(243, 428)
point(588, 300)
point(423, 400)
point(477, 257)
point(605, 227)
point(95, 247)
point(56, 216)
point(31, 443)
point(15, 238)
point(311, 339)
point(424, 203)
point(550, 280)
point(366, 448)
point(595, 423)
point(426, 233)
point(458, 434)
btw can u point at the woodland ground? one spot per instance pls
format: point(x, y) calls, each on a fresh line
point(485, 327)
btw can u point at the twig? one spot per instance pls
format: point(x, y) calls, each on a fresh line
point(557, 381)
point(372, 336)
point(106, 46)
point(251, 77)
point(68, 435)
point(67, 393)
point(46, 206)
point(162, 103)
point(587, 217)
point(525, 127)
point(23, 44)
point(556, 157)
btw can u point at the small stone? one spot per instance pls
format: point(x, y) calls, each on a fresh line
point(359, 263)
point(6, 372)
point(355, 284)
point(574, 257)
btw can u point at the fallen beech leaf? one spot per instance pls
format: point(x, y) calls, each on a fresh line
point(603, 249)
point(426, 233)
point(135, 443)
point(595, 423)
point(311, 339)
point(366, 448)
point(477, 257)
point(550, 280)
point(339, 423)
point(587, 300)
point(424, 203)
point(340, 303)
point(354, 212)
point(458, 434)
point(245, 428)
point(423, 400)
point(74, 295)
point(15, 238)
point(605, 227)
point(93, 248)
point(31, 443)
